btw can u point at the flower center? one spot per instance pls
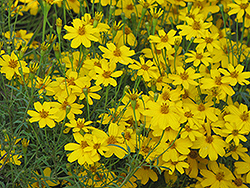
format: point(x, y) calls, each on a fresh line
point(64, 105)
point(145, 67)
point(112, 140)
point(247, 16)
point(165, 96)
point(208, 40)
point(235, 132)
point(234, 74)
point(218, 80)
point(81, 30)
point(244, 116)
point(127, 30)
point(43, 113)
point(13, 63)
point(127, 136)
point(130, 7)
point(201, 107)
point(145, 149)
point(209, 139)
point(164, 108)
point(117, 53)
point(18, 34)
point(193, 154)
point(196, 26)
point(70, 81)
point(106, 74)
point(199, 56)
point(97, 146)
point(164, 39)
point(84, 144)
point(187, 128)
point(238, 182)
point(80, 124)
point(220, 176)
point(188, 114)
point(184, 76)
point(243, 5)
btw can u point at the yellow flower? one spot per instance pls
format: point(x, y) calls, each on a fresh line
point(239, 8)
point(219, 176)
point(178, 165)
point(185, 77)
point(46, 179)
point(127, 36)
point(11, 66)
point(106, 73)
point(199, 56)
point(235, 132)
point(194, 28)
point(211, 146)
point(80, 150)
point(117, 54)
point(9, 158)
point(128, 7)
point(78, 125)
point(235, 75)
point(80, 33)
point(239, 115)
point(145, 69)
point(236, 151)
point(208, 40)
point(83, 88)
point(165, 40)
point(144, 173)
point(44, 114)
point(19, 37)
point(244, 167)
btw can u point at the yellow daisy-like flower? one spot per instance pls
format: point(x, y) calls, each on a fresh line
point(144, 173)
point(80, 33)
point(219, 176)
point(243, 167)
point(185, 77)
point(194, 28)
point(145, 69)
point(79, 125)
point(165, 40)
point(235, 75)
point(198, 57)
point(239, 8)
point(11, 64)
point(117, 54)
point(106, 72)
point(44, 114)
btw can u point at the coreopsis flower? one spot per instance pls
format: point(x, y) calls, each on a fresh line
point(194, 28)
point(117, 54)
point(243, 167)
point(128, 7)
point(235, 75)
point(145, 173)
point(236, 151)
point(81, 33)
point(217, 176)
point(19, 36)
point(185, 77)
point(208, 40)
point(211, 146)
point(235, 133)
point(80, 151)
point(44, 181)
point(83, 88)
point(115, 142)
point(44, 114)
point(106, 73)
point(240, 7)
point(169, 94)
point(9, 157)
point(178, 165)
point(145, 69)
point(126, 37)
point(239, 115)
point(180, 146)
point(190, 133)
point(164, 40)
point(239, 181)
point(198, 57)
point(216, 81)
point(67, 107)
point(11, 66)
point(163, 114)
point(79, 125)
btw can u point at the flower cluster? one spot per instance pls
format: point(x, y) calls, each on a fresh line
point(161, 87)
